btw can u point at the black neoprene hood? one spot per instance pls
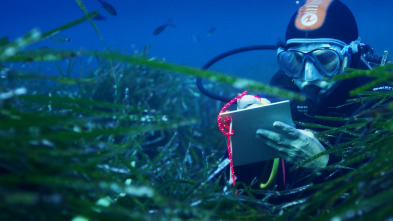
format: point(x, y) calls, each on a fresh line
point(339, 24)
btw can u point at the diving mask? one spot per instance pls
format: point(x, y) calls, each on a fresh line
point(326, 54)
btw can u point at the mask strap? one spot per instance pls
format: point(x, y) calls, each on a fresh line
point(354, 46)
point(350, 49)
point(347, 51)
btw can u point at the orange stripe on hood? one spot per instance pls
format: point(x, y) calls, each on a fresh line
point(312, 15)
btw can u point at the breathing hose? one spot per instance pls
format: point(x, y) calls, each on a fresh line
point(222, 56)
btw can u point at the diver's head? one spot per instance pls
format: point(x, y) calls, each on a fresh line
point(321, 40)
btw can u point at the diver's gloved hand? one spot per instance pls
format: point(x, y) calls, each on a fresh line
point(250, 101)
point(295, 145)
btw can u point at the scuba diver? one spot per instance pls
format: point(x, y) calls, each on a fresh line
point(321, 40)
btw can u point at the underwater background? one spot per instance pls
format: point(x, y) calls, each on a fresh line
point(100, 117)
point(201, 29)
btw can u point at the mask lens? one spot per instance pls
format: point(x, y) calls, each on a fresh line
point(291, 62)
point(328, 60)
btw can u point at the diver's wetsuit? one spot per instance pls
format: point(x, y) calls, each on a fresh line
point(328, 105)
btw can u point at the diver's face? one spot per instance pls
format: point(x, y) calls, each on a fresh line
point(311, 74)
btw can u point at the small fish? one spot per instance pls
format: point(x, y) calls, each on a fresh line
point(210, 31)
point(109, 8)
point(59, 38)
point(161, 28)
point(99, 17)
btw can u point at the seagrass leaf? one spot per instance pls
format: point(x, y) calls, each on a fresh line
point(210, 75)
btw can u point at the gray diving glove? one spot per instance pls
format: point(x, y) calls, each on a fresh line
point(293, 145)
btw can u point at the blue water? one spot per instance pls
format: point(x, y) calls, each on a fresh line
point(236, 24)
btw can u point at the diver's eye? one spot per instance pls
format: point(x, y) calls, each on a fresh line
point(291, 62)
point(327, 59)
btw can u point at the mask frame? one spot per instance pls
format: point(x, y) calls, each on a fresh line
point(336, 47)
point(316, 56)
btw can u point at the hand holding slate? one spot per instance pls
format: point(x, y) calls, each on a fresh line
point(295, 145)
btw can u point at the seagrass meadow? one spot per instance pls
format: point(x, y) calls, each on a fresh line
point(132, 138)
